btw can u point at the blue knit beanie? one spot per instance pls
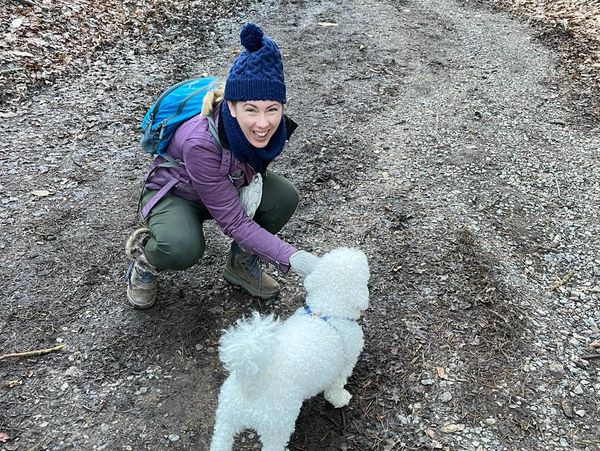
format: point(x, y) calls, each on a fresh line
point(257, 73)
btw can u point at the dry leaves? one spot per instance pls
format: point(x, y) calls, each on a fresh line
point(44, 38)
point(578, 19)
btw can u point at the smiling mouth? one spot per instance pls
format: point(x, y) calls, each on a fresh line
point(261, 134)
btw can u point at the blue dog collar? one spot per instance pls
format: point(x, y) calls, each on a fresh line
point(310, 312)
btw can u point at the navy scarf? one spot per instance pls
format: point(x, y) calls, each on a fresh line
point(245, 152)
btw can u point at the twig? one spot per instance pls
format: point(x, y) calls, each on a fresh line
point(587, 442)
point(561, 282)
point(10, 70)
point(313, 222)
point(32, 353)
point(557, 186)
point(40, 444)
point(31, 3)
point(590, 356)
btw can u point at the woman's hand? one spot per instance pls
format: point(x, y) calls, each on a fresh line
point(302, 263)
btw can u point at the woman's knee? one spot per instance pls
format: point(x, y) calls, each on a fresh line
point(279, 193)
point(290, 197)
point(174, 252)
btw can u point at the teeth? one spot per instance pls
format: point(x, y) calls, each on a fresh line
point(261, 134)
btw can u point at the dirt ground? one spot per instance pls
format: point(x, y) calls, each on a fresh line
point(447, 140)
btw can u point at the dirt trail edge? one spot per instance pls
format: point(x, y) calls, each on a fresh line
point(438, 138)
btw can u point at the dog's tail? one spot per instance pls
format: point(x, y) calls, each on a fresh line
point(246, 348)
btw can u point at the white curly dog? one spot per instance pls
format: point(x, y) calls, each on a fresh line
point(274, 366)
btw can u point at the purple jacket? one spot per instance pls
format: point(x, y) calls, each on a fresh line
point(212, 179)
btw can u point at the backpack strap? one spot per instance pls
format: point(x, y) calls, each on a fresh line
point(172, 163)
point(212, 127)
point(158, 196)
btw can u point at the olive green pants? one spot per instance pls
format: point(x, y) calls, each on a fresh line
point(177, 240)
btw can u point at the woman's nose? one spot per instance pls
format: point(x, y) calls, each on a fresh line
point(262, 121)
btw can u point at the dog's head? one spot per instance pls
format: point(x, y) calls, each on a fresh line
point(338, 283)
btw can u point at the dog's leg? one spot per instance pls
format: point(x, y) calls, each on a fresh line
point(223, 435)
point(276, 437)
point(274, 442)
point(337, 395)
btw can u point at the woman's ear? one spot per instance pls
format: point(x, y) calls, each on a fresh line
point(231, 107)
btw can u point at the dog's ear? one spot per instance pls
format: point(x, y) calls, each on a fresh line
point(360, 280)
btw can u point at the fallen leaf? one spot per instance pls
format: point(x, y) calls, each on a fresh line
point(595, 344)
point(450, 428)
point(328, 24)
point(4, 437)
point(430, 433)
point(41, 193)
point(7, 115)
point(441, 372)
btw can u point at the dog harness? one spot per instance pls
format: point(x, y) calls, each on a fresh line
point(315, 314)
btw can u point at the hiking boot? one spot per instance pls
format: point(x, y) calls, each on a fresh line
point(244, 270)
point(141, 274)
point(141, 286)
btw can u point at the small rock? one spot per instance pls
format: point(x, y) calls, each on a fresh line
point(580, 413)
point(173, 438)
point(451, 428)
point(73, 371)
point(446, 396)
point(403, 420)
point(556, 369)
point(566, 408)
point(578, 390)
point(427, 381)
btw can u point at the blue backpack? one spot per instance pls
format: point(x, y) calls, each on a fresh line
point(175, 105)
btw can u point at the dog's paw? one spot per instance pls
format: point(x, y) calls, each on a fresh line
point(338, 398)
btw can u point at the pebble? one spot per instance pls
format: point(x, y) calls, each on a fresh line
point(446, 396)
point(556, 369)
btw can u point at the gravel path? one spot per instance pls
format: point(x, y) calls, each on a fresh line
point(440, 138)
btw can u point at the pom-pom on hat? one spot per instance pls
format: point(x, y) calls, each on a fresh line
point(257, 73)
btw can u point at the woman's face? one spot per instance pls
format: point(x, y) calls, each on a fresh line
point(258, 119)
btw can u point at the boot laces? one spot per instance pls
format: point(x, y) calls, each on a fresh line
point(252, 265)
point(145, 276)
point(140, 275)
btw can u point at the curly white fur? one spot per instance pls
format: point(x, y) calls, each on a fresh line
point(274, 366)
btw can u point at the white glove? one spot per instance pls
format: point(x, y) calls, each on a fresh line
point(303, 262)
